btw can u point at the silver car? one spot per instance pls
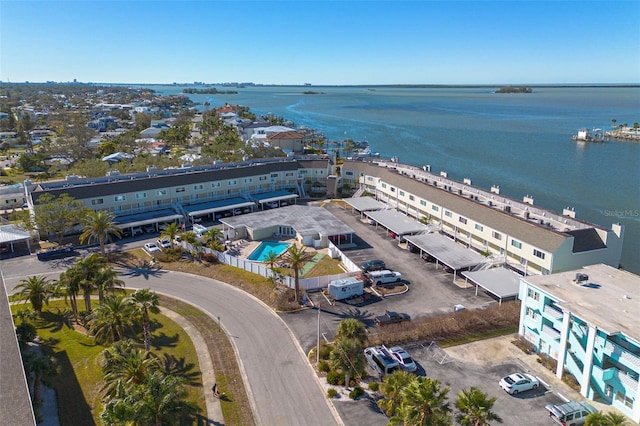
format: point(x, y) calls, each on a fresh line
point(403, 358)
point(518, 382)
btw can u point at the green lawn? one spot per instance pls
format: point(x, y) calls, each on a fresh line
point(80, 378)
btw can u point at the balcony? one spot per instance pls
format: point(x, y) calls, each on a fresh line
point(551, 332)
point(552, 312)
point(619, 353)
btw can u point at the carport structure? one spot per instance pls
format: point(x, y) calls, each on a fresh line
point(364, 204)
point(501, 282)
point(212, 207)
point(396, 222)
point(10, 235)
point(446, 251)
point(148, 218)
point(275, 196)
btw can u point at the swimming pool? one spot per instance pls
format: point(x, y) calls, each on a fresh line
point(261, 253)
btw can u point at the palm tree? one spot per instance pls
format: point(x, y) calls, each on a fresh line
point(145, 301)
point(106, 280)
point(111, 318)
point(162, 400)
point(191, 239)
point(212, 238)
point(37, 290)
point(85, 272)
point(297, 257)
point(271, 260)
point(99, 226)
point(347, 355)
point(391, 388)
point(351, 328)
point(125, 364)
point(475, 408)
point(423, 403)
point(610, 419)
point(170, 232)
point(68, 284)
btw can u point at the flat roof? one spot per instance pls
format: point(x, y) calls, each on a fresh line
point(397, 222)
point(268, 197)
point(364, 204)
point(609, 299)
point(147, 218)
point(216, 206)
point(446, 250)
point(305, 220)
point(12, 233)
point(501, 282)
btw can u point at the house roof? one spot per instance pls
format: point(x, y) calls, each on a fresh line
point(286, 136)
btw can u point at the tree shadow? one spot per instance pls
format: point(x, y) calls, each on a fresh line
point(162, 340)
point(147, 271)
point(179, 367)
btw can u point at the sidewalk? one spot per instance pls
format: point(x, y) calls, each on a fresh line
point(214, 409)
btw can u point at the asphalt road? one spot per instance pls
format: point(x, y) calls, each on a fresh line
point(282, 384)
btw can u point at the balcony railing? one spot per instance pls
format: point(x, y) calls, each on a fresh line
point(550, 331)
point(552, 312)
point(622, 353)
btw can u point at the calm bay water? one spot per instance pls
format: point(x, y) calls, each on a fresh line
point(521, 142)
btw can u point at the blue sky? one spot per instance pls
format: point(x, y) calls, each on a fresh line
point(321, 42)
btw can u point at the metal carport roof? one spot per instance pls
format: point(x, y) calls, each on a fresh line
point(397, 222)
point(501, 282)
point(13, 234)
point(268, 197)
point(446, 250)
point(140, 219)
point(363, 204)
point(216, 206)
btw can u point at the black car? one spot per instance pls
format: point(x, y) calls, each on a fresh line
point(373, 265)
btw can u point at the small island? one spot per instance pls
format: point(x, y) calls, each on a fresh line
point(208, 91)
point(511, 89)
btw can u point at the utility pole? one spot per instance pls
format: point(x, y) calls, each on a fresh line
point(318, 347)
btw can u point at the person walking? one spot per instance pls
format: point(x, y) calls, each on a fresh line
point(215, 390)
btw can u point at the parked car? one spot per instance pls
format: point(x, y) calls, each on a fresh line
point(150, 228)
point(272, 205)
point(384, 277)
point(570, 413)
point(136, 230)
point(164, 243)
point(151, 248)
point(518, 382)
point(373, 265)
point(403, 358)
point(391, 317)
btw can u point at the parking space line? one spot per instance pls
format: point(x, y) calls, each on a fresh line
point(564, 398)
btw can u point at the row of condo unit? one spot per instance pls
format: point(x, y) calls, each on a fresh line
point(533, 240)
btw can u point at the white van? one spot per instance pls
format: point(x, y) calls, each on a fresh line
point(384, 277)
point(380, 359)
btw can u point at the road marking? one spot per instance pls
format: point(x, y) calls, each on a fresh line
point(543, 382)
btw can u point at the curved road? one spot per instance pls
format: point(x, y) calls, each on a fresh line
point(281, 383)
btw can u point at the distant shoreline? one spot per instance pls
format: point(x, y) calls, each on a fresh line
point(364, 86)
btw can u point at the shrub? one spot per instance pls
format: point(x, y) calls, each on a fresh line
point(335, 377)
point(325, 350)
point(324, 366)
point(571, 381)
point(210, 257)
point(549, 363)
point(26, 332)
point(374, 386)
point(356, 392)
point(332, 393)
point(526, 346)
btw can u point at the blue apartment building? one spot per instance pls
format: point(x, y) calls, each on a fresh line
point(589, 321)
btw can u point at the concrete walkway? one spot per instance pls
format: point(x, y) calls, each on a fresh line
point(214, 409)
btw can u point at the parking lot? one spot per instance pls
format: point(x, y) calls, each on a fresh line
point(481, 364)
